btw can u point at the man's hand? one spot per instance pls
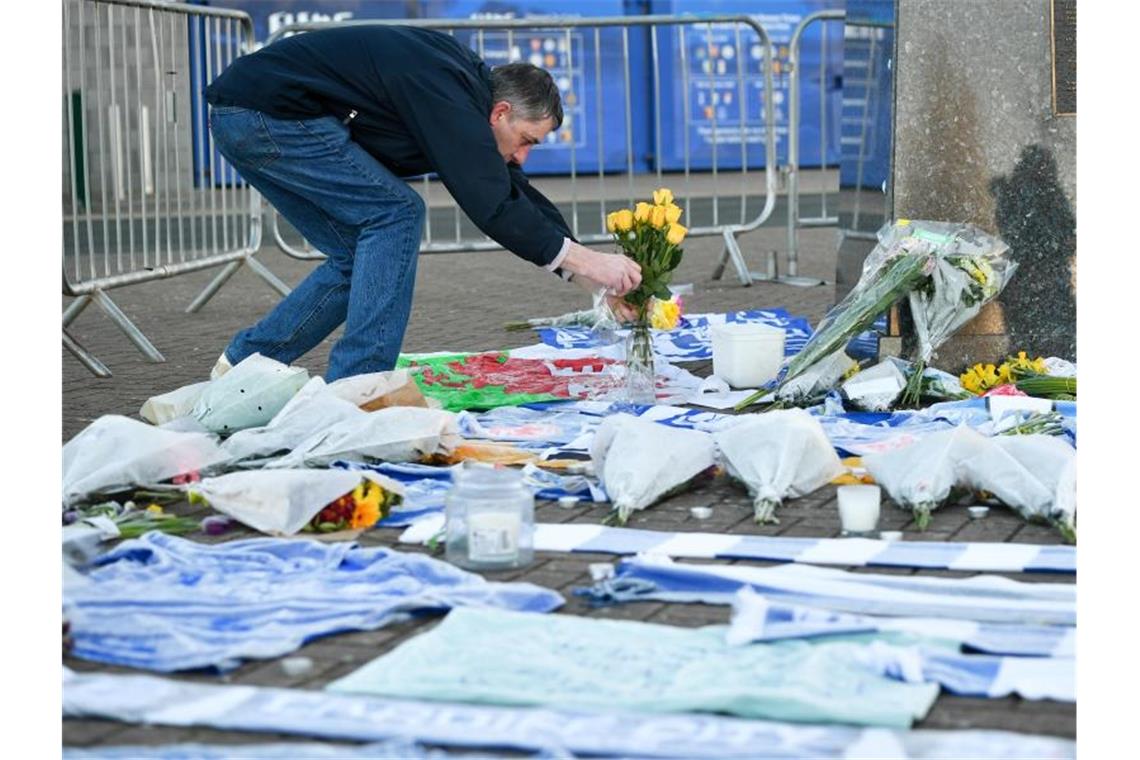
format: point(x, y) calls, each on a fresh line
point(621, 309)
point(614, 272)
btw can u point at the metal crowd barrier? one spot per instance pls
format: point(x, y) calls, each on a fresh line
point(795, 221)
point(728, 216)
point(145, 194)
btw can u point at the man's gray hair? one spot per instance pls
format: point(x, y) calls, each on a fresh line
point(531, 91)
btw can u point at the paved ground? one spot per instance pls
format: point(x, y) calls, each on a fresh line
point(462, 301)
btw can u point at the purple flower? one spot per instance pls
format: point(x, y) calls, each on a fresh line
point(216, 525)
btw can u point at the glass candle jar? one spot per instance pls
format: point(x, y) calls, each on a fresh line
point(858, 509)
point(490, 519)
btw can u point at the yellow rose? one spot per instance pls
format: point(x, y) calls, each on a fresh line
point(611, 221)
point(675, 234)
point(665, 315)
point(672, 213)
point(623, 220)
point(657, 217)
point(663, 196)
point(642, 212)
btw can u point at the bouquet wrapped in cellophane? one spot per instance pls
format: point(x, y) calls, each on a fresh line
point(969, 270)
point(947, 270)
point(890, 272)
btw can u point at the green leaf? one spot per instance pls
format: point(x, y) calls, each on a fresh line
point(663, 293)
point(675, 258)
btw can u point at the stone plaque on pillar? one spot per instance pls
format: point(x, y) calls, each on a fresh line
point(1064, 29)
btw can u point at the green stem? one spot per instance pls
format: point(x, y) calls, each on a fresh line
point(1068, 532)
point(764, 511)
point(922, 515)
point(1048, 386)
point(912, 392)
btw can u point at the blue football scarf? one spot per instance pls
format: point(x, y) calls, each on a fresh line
point(164, 603)
point(606, 733)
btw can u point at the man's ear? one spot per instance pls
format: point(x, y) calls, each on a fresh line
point(500, 110)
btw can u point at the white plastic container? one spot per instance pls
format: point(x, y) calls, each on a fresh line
point(747, 355)
point(858, 509)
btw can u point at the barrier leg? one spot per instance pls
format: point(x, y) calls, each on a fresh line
point(719, 271)
point(273, 280)
point(96, 367)
point(214, 286)
point(227, 272)
point(791, 278)
point(799, 281)
point(75, 308)
point(732, 251)
point(118, 317)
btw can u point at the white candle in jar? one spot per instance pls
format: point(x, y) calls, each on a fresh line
point(493, 536)
point(858, 508)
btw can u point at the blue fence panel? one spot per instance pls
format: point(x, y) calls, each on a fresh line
point(715, 58)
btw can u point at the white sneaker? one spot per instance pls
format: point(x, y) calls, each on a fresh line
point(221, 367)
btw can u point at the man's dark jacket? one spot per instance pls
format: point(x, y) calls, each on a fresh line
point(416, 100)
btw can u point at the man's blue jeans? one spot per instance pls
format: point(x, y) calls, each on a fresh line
point(365, 219)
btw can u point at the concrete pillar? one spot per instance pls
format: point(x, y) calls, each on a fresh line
point(981, 138)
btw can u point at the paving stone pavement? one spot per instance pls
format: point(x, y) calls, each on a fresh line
point(462, 300)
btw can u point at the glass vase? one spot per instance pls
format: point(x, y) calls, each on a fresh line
point(641, 376)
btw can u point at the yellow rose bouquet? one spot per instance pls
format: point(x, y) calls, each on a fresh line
point(650, 234)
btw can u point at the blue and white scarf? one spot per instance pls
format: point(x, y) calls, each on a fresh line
point(157, 701)
point(164, 603)
point(982, 598)
point(849, 552)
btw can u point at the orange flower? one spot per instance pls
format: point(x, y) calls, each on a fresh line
point(366, 508)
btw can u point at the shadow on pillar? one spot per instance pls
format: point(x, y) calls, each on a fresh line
point(1034, 217)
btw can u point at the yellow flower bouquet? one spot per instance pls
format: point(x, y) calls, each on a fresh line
point(1029, 376)
point(650, 234)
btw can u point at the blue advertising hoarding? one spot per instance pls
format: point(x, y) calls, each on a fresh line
point(594, 85)
point(719, 59)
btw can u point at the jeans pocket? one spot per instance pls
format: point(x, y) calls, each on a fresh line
point(243, 137)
